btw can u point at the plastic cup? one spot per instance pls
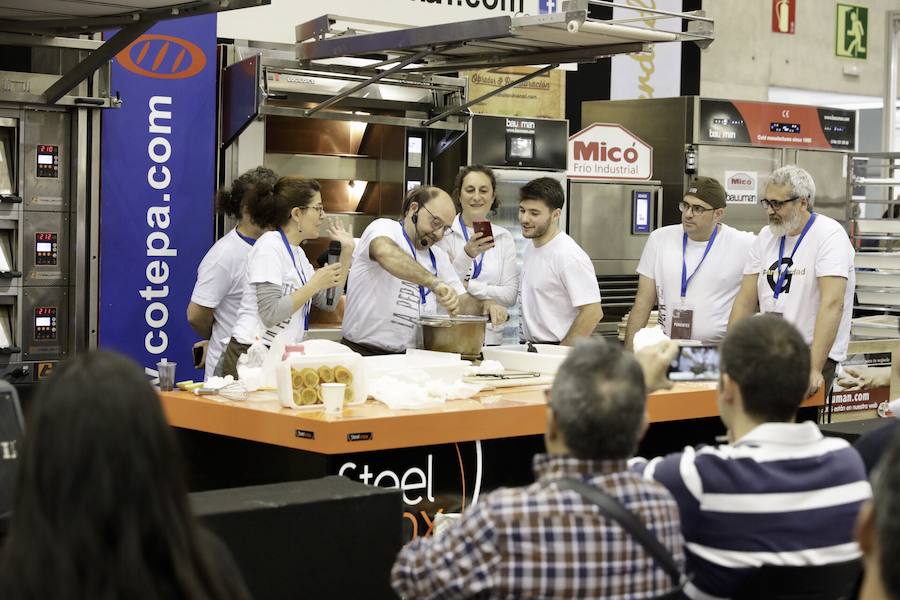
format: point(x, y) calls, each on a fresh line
point(333, 397)
point(166, 376)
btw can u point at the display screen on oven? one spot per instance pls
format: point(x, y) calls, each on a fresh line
point(45, 248)
point(47, 161)
point(45, 323)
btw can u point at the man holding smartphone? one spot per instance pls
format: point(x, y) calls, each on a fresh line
point(692, 271)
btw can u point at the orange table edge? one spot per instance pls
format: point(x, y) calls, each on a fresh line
point(511, 412)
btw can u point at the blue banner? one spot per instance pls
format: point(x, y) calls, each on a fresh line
point(157, 185)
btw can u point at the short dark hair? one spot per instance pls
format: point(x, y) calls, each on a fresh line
point(769, 360)
point(598, 398)
point(461, 177)
point(101, 507)
point(544, 188)
point(275, 203)
point(420, 195)
point(886, 494)
point(243, 191)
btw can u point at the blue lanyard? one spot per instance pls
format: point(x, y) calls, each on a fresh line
point(422, 293)
point(290, 252)
point(478, 261)
point(783, 274)
point(249, 240)
point(685, 280)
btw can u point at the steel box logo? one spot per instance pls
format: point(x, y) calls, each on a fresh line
point(162, 57)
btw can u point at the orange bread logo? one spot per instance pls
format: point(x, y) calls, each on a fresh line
point(147, 56)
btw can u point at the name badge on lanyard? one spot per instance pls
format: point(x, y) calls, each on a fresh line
point(683, 318)
point(479, 260)
point(290, 251)
point(423, 293)
point(783, 272)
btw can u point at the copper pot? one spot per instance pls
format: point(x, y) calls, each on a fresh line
point(462, 334)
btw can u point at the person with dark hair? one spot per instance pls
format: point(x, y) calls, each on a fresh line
point(559, 291)
point(222, 274)
point(779, 492)
point(282, 283)
point(691, 270)
point(399, 274)
point(546, 540)
point(801, 267)
point(101, 508)
point(487, 265)
point(878, 530)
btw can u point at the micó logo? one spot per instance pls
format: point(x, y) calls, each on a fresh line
point(148, 56)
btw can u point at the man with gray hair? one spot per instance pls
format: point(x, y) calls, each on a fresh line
point(801, 268)
point(547, 540)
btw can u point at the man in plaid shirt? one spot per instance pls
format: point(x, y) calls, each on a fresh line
point(543, 542)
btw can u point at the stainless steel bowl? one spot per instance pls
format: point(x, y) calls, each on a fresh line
point(462, 334)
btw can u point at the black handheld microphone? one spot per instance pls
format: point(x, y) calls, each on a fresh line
point(334, 255)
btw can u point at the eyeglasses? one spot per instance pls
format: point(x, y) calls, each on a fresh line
point(694, 209)
point(318, 207)
point(436, 222)
point(776, 204)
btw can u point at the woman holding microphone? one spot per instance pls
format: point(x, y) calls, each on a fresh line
point(486, 264)
point(282, 284)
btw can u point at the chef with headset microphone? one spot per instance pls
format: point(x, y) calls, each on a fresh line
point(398, 275)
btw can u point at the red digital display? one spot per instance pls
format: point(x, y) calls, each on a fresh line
point(45, 236)
point(45, 311)
point(47, 149)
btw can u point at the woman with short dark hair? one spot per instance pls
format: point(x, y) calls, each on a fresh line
point(222, 274)
point(101, 509)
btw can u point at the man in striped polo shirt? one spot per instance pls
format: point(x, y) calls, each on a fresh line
point(779, 493)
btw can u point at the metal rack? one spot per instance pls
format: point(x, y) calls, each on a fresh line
point(385, 52)
point(873, 207)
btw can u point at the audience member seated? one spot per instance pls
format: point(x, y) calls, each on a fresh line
point(879, 530)
point(101, 509)
point(779, 493)
point(873, 444)
point(542, 541)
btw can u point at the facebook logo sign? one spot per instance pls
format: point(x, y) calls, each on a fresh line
point(548, 6)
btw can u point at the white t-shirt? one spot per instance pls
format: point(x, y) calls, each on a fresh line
point(826, 251)
point(381, 310)
point(557, 278)
point(221, 279)
point(269, 262)
point(498, 279)
point(712, 288)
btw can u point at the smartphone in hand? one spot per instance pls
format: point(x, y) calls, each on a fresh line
point(483, 227)
point(695, 363)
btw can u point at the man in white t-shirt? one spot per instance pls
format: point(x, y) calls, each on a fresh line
point(559, 293)
point(693, 270)
point(398, 275)
point(801, 267)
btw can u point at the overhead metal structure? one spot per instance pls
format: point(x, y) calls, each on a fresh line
point(389, 54)
point(37, 23)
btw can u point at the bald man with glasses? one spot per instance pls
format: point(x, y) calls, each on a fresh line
point(801, 268)
point(693, 270)
point(399, 275)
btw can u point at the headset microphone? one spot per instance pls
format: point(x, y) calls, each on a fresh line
point(423, 243)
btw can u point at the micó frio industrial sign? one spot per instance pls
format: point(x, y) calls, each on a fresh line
point(608, 151)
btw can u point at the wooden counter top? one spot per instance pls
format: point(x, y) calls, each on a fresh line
point(510, 412)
